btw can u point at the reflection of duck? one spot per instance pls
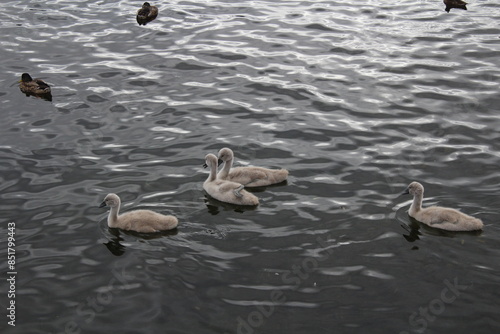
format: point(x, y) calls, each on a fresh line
point(438, 217)
point(36, 87)
point(142, 221)
point(454, 4)
point(146, 14)
point(248, 176)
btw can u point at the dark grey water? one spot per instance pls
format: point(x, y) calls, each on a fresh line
point(355, 98)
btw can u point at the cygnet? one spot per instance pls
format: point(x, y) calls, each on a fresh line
point(142, 221)
point(226, 191)
point(439, 217)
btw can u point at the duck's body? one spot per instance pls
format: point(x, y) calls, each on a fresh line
point(30, 86)
point(248, 176)
point(142, 221)
point(454, 4)
point(226, 191)
point(439, 217)
point(146, 14)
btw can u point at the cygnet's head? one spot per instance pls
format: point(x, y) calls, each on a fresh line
point(111, 200)
point(225, 154)
point(413, 189)
point(209, 160)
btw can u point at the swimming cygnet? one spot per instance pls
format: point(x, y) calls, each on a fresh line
point(248, 176)
point(142, 221)
point(223, 190)
point(438, 217)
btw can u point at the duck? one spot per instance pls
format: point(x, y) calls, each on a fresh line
point(146, 14)
point(37, 87)
point(454, 4)
point(248, 176)
point(224, 190)
point(439, 217)
point(141, 221)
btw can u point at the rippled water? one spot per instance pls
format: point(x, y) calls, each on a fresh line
point(355, 98)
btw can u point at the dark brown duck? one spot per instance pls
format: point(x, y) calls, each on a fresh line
point(146, 14)
point(454, 4)
point(35, 87)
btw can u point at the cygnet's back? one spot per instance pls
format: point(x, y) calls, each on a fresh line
point(142, 221)
point(448, 219)
point(439, 217)
point(248, 176)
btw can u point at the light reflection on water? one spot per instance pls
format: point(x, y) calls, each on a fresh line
point(355, 99)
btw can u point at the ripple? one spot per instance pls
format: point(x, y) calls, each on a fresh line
point(356, 99)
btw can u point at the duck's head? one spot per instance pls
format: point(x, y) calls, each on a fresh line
point(25, 77)
point(146, 4)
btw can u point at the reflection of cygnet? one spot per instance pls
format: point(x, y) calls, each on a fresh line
point(226, 191)
point(142, 221)
point(248, 176)
point(438, 217)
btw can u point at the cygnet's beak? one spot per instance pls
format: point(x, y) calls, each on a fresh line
point(103, 204)
point(406, 192)
point(205, 165)
point(219, 162)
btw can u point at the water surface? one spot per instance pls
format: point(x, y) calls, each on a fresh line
point(356, 99)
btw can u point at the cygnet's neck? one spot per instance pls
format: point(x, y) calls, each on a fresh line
point(113, 216)
point(213, 170)
point(225, 170)
point(416, 205)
